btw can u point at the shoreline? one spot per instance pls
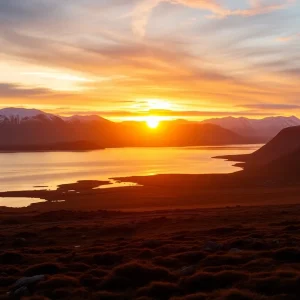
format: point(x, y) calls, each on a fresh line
point(48, 148)
point(160, 192)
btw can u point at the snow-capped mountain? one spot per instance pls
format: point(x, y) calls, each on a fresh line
point(19, 115)
point(20, 127)
point(20, 112)
point(266, 128)
point(84, 119)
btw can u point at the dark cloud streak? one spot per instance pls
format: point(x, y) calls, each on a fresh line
point(8, 90)
point(167, 113)
point(270, 106)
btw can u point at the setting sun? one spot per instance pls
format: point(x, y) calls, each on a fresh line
point(152, 122)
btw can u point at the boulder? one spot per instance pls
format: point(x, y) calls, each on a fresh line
point(23, 285)
point(186, 271)
point(212, 246)
point(235, 250)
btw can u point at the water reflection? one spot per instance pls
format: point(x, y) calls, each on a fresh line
point(17, 202)
point(28, 171)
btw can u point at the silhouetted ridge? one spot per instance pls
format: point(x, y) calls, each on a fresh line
point(283, 144)
point(287, 141)
point(265, 128)
point(36, 129)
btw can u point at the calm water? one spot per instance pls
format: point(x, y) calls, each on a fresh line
point(23, 171)
point(18, 201)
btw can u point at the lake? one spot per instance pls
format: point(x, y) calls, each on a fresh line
point(46, 170)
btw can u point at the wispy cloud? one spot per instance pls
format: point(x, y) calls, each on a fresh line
point(161, 113)
point(270, 106)
point(58, 76)
point(228, 57)
point(288, 38)
point(143, 10)
point(8, 90)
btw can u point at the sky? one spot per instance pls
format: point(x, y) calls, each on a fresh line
point(123, 59)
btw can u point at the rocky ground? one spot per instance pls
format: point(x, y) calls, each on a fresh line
point(233, 253)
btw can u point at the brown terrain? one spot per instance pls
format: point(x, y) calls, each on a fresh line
point(225, 253)
point(230, 236)
point(155, 241)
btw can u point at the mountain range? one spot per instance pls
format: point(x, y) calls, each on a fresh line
point(34, 129)
point(265, 129)
point(21, 115)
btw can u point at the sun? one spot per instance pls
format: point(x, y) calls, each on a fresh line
point(152, 122)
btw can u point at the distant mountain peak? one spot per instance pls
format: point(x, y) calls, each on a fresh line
point(85, 118)
point(17, 115)
point(21, 112)
point(266, 128)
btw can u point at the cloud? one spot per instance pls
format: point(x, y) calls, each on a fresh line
point(270, 106)
point(219, 62)
point(126, 62)
point(142, 70)
point(141, 15)
point(8, 90)
point(162, 113)
point(288, 38)
point(284, 38)
point(258, 8)
point(199, 113)
point(144, 8)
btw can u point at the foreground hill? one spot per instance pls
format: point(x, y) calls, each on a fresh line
point(284, 170)
point(286, 166)
point(282, 145)
point(265, 128)
point(285, 143)
point(22, 128)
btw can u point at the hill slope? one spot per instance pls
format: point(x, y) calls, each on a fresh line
point(286, 143)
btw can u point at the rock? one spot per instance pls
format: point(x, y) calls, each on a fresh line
point(22, 291)
point(212, 246)
point(25, 281)
point(188, 270)
point(21, 286)
point(235, 250)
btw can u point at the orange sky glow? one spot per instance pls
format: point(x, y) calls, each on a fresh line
point(125, 60)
